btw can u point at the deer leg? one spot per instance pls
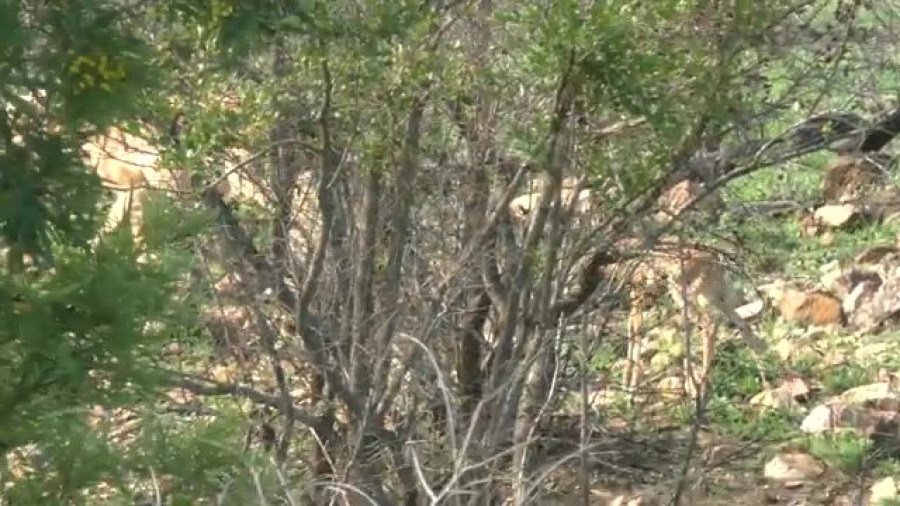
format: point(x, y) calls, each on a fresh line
point(757, 346)
point(632, 363)
point(136, 216)
point(710, 329)
point(117, 212)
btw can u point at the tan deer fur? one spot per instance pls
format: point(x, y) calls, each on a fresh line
point(692, 275)
point(522, 205)
point(127, 165)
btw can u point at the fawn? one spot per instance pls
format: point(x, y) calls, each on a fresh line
point(694, 277)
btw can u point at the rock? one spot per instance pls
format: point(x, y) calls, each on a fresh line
point(852, 177)
point(836, 415)
point(797, 387)
point(885, 303)
point(784, 397)
point(225, 373)
point(674, 349)
point(229, 285)
point(818, 420)
point(883, 490)
point(831, 272)
point(881, 396)
point(673, 201)
point(854, 304)
point(664, 335)
point(884, 204)
point(875, 255)
point(816, 307)
point(776, 398)
point(793, 466)
point(866, 409)
point(832, 266)
point(837, 215)
point(751, 311)
point(841, 283)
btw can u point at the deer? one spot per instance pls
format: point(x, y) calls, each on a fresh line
point(693, 276)
point(128, 165)
point(125, 163)
point(697, 281)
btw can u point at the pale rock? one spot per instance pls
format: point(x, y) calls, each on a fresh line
point(665, 336)
point(836, 215)
point(861, 294)
point(751, 311)
point(797, 387)
point(883, 490)
point(881, 396)
point(847, 280)
point(831, 274)
point(793, 467)
point(784, 397)
point(836, 357)
point(776, 398)
point(223, 373)
point(864, 420)
point(154, 327)
point(819, 420)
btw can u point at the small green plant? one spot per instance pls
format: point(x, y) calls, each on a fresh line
point(845, 376)
point(604, 359)
point(806, 365)
point(743, 422)
point(735, 374)
point(843, 451)
point(888, 467)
